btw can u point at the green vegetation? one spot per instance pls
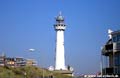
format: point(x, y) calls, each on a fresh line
point(28, 72)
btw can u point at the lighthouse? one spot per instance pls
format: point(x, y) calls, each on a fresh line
point(59, 50)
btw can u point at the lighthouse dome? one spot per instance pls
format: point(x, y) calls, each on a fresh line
point(60, 17)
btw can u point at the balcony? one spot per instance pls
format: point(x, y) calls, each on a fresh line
point(107, 49)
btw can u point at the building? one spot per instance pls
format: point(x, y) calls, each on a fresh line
point(16, 61)
point(31, 62)
point(10, 62)
point(19, 62)
point(111, 54)
point(60, 50)
point(2, 60)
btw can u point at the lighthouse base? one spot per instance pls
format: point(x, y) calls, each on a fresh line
point(65, 72)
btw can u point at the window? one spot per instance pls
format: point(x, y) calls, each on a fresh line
point(118, 37)
point(114, 39)
point(117, 59)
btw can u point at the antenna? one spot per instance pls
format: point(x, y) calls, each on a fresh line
point(60, 13)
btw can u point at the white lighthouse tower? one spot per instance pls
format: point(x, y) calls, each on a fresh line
point(60, 52)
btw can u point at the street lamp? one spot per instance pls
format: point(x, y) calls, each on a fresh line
point(33, 50)
point(25, 74)
point(101, 63)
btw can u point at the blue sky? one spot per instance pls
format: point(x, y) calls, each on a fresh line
point(28, 24)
